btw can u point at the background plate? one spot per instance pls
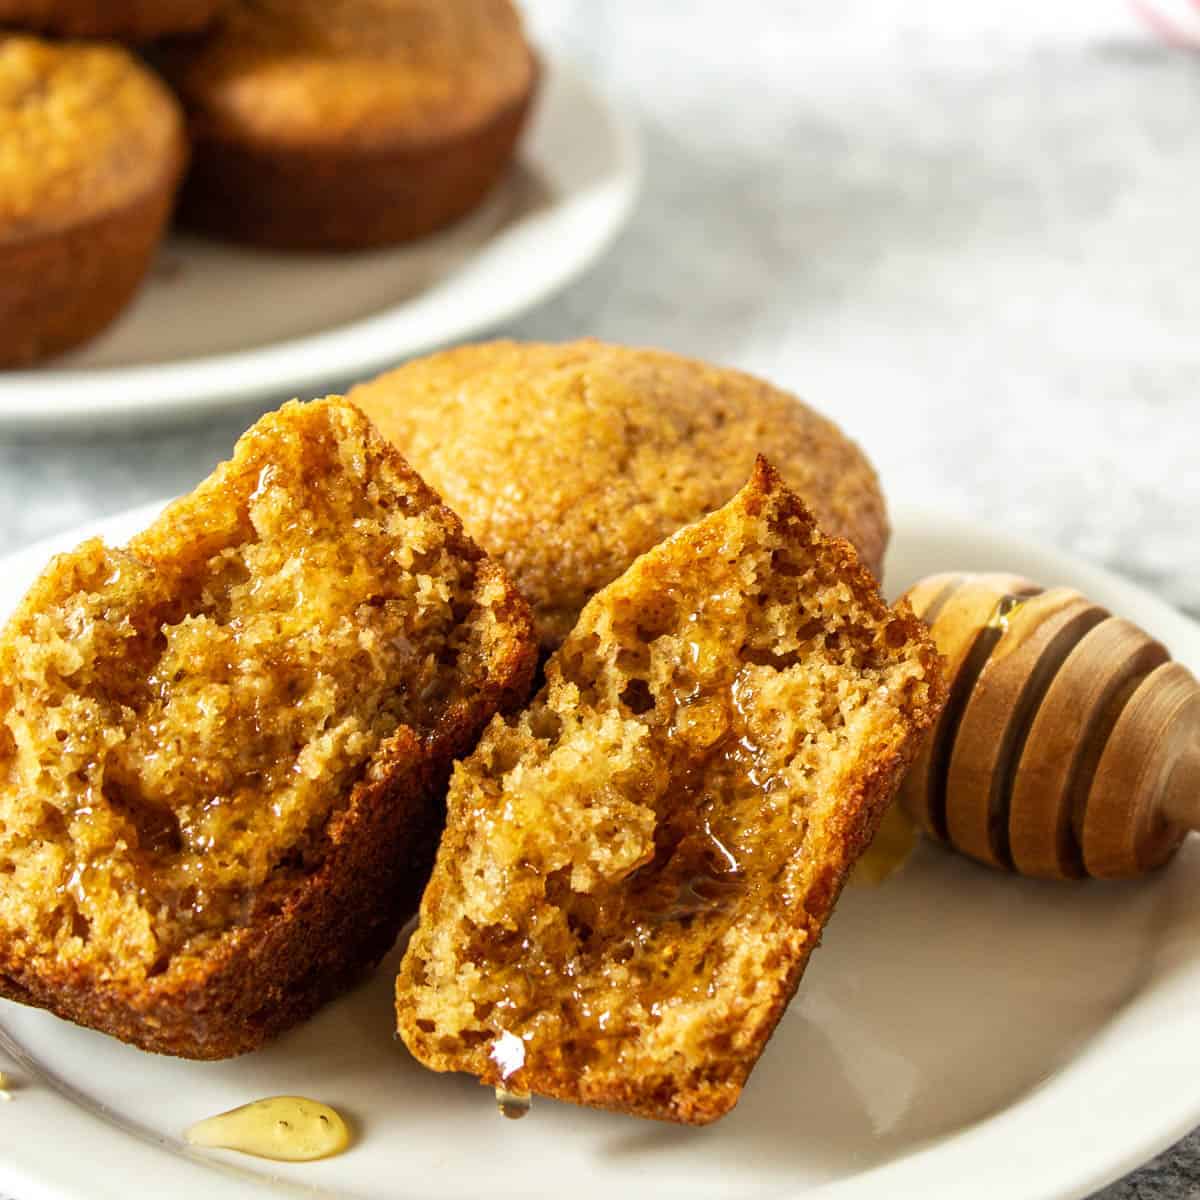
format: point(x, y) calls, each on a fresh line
point(217, 324)
point(1036, 1039)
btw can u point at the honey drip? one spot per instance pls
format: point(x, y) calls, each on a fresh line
point(1005, 607)
point(281, 1128)
point(513, 1105)
point(895, 841)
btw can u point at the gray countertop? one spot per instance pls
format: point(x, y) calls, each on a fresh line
point(968, 232)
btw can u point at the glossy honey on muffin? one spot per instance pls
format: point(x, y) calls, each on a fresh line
point(134, 20)
point(339, 124)
point(92, 148)
point(224, 746)
point(636, 868)
point(568, 461)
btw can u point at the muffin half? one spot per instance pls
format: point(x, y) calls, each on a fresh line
point(224, 748)
point(92, 149)
point(342, 124)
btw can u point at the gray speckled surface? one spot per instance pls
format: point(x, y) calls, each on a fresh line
point(1174, 1175)
point(969, 235)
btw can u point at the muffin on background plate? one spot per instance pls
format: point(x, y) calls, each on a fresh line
point(568, 461)
point(92, 149)
point(133, 20)
point(345, 124)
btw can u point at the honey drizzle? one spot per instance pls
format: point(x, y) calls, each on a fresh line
point(890, 849)
point(696, 872)
point(1033, 692)
point(961, 689)
point(508, 1053)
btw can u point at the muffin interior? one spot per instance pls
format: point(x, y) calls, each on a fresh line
point(180, 719)
point(637, 866)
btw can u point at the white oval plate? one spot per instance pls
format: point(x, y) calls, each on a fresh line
point(960, 1032)
point(218, 324)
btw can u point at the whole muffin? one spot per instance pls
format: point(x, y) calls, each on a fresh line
point(135, 20)
point(568, 461)
point(342, 124)
point(92, 149)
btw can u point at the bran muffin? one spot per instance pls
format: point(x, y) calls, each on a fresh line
point(342, 124)
point(637, 867)
point(92, 148)
point(224, 748)
point(568, 461)
point(130, 20)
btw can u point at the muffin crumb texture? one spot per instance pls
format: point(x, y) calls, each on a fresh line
point(184, 721)
point(637, 867)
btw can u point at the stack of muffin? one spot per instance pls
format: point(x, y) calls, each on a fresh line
point(329, 125)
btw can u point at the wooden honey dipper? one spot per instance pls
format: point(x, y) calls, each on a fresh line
point(1070, 742)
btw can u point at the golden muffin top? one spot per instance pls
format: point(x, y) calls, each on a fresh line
point(324, 72)
point(568, 461)
point(84, 129)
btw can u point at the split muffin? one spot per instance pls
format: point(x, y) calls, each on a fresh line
point(568, 461)
point(341, 124)
point(132, 20)
point(637, 868)
point(224, 746)
point(92, 149)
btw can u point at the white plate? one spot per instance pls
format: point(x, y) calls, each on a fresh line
point(217, 324)
point(960, 1032)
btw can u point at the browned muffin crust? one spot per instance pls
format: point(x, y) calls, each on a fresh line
point(92, 149)
point(223, 749)
point(568, 461)
point(131, 20)
point(343, 124)
point(636, 868)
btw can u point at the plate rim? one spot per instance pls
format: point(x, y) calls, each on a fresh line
point(938, 1168)
point(41, 399)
